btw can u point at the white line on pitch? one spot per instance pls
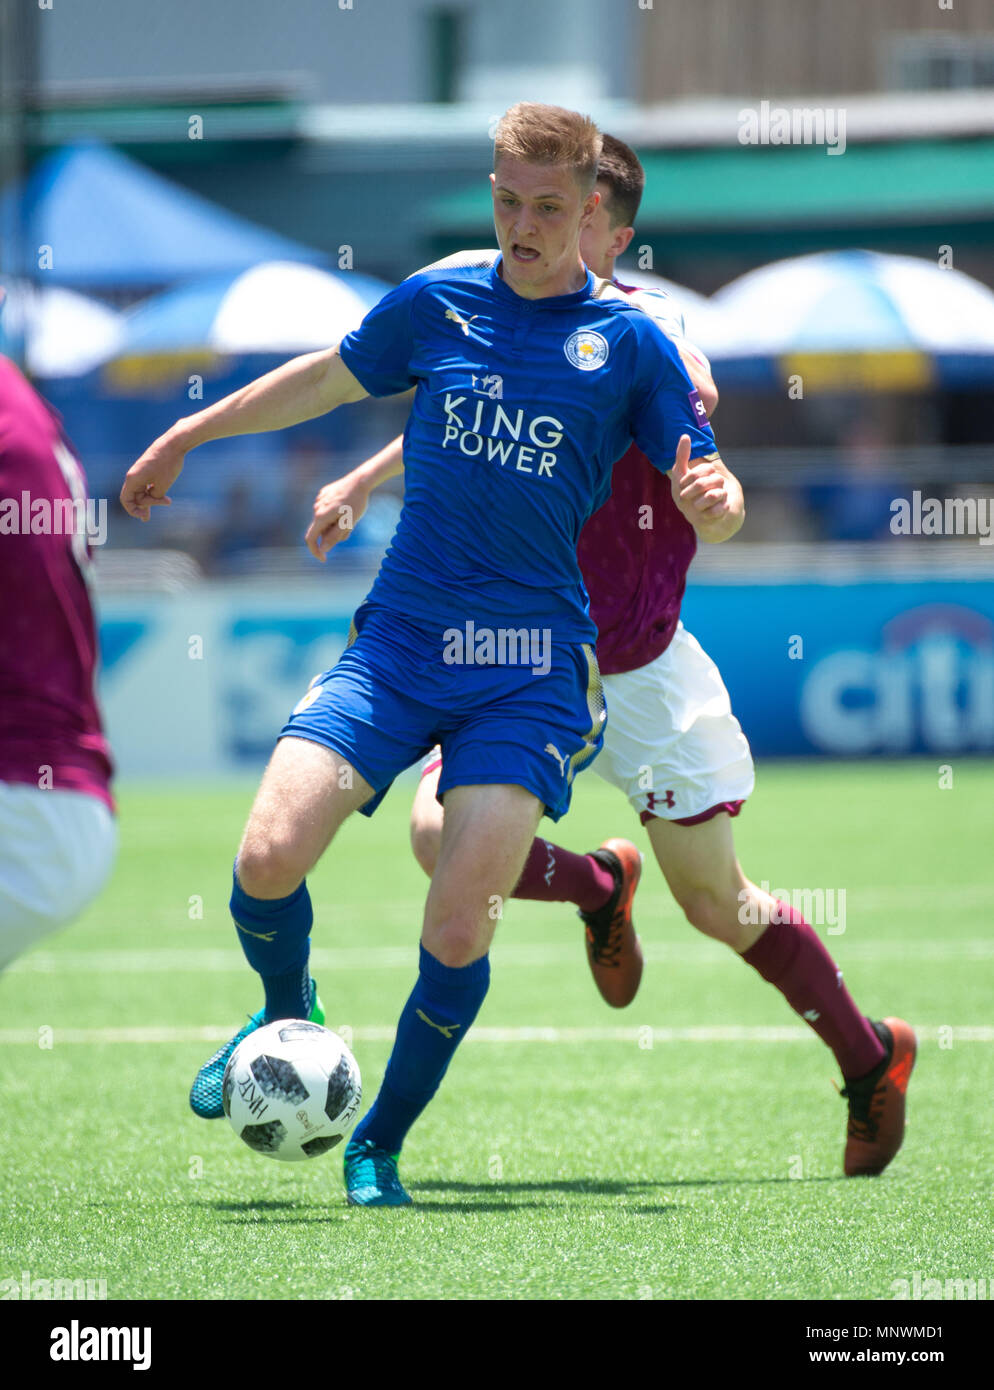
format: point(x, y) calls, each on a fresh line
point(722, 1033)
point(529, 955)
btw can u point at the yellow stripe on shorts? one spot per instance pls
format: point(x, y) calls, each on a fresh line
point(596, 707)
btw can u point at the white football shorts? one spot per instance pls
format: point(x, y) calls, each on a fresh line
point(673, 745)
point(57, 849)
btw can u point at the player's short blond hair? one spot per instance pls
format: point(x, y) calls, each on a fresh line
point(542, 134)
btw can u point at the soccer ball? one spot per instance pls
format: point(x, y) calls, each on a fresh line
point(291, 1090)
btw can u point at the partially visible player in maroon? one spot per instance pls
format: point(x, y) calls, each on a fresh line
point(672, 744)
point(57, 829)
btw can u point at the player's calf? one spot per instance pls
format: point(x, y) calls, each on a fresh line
point(424, 847)
point(600, 884)
point(486, 834)
point(300, 804)
point(485, 838)
point(426, 815)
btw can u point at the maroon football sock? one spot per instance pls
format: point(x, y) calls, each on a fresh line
point(554, 875)
point(790, 956)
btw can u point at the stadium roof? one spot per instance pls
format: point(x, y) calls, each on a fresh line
point(793, 185)
point(691, 121)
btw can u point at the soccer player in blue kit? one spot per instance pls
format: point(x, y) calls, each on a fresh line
point(532, 377)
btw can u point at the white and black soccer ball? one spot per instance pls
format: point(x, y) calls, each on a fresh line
point(291, 1090)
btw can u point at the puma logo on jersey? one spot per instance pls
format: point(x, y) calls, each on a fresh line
point(259, 935)
point(458, 318)
point(551, 748)
point(446, 1029)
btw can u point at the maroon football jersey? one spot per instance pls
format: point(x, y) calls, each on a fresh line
point(634, 554)
point(50, 727)
point(635, 551)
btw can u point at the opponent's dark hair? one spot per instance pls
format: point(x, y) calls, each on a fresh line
point(620, 169)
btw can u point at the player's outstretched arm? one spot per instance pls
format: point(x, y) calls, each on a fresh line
point(339, 505)
point(301, 389)
point(707, 494)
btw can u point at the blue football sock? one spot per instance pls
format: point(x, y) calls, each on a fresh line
point(436, 1018)
point(275, 936)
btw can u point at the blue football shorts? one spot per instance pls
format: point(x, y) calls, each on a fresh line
point(402, 685)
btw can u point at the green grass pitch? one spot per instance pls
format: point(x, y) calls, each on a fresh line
point(614, 1155)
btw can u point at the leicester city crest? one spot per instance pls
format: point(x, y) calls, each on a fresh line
point(586, 350)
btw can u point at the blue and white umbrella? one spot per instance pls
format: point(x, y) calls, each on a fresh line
point(279, 306)
point(901, 321)
point(56, 331)
point(703, 322)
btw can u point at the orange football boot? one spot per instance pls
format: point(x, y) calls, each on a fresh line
point(876, 1102)
point(613, 949)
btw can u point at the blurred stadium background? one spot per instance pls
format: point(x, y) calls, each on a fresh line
point(189, 194)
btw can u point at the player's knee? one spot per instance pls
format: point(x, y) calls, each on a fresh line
point(713, 913)
point(270, 869)
point(456, 941)
point(425, 841)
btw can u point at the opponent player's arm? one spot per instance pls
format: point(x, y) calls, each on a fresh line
point(339, 505)
point(699, 370)
point(707, 494)
point(302, 389)
point(670, 322)
point(704, 491)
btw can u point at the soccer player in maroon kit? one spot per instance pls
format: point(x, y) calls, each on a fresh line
point(57, 828)
point(672, 745)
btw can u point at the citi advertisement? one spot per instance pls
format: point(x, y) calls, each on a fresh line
point(850, 670)
point(883, 668)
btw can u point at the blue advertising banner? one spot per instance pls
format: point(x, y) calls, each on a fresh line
point(850, 670)
point(884, 668)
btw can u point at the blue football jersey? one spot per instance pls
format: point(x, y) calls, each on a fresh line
point(521, 409)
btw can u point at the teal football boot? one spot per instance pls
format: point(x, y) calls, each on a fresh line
point(371, 1177)
point(205, 1093)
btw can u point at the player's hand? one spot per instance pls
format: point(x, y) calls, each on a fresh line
point(701, 490)
point(337, 509)
point(148, 481)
